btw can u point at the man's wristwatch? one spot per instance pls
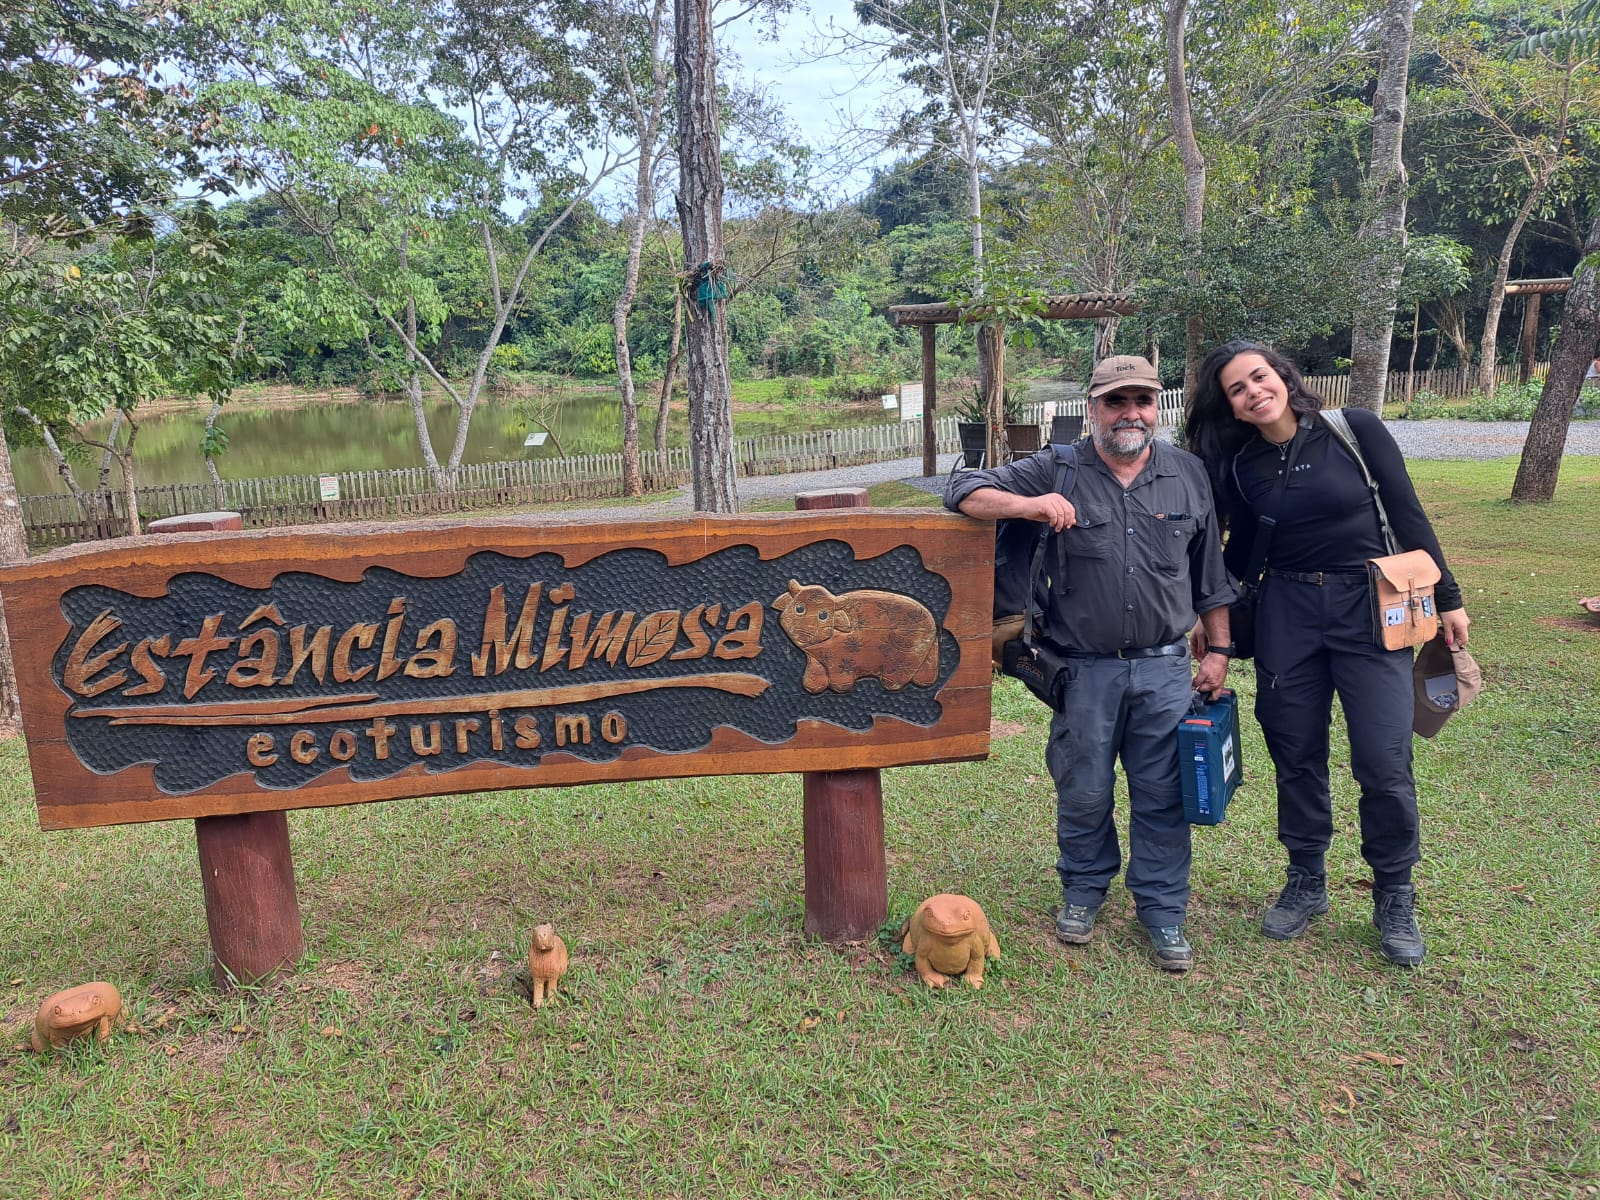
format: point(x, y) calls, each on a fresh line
point(1227, 651)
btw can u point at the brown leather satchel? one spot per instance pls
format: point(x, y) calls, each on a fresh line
point(1403, 609)
point(1400, 583)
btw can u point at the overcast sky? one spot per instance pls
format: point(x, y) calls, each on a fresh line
point(831, 97)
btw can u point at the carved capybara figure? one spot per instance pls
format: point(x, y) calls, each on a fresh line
point(949, 935)
point(75, 1013)
point(864, 634)
point(547, 963)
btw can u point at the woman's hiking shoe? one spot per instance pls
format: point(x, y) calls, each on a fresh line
point(1303, 897)
point(1394, 913)
point(1169, 948)
point(1075, 923)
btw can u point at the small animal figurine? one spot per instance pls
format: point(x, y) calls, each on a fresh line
point(75, 1013)
point(864, 634)
point(547, 963)
point(949, 935)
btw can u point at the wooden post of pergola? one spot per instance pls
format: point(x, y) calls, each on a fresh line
point(1083, 306)
point(1533, 292)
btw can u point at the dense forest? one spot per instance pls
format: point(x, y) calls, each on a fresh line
point(453, 194)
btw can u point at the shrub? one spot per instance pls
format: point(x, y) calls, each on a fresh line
point(796, 387)
point(860, 387)
point(1427, 406)
point(1507, 404)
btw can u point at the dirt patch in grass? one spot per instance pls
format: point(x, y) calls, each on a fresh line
point(354, 979)
point(1581, 624)
point(208, 1052)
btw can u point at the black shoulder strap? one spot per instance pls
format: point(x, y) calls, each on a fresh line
point(1066, 456)
point(1266, 523)
point(1339, 425)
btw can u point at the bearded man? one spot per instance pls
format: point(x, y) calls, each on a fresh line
point(1135, 558)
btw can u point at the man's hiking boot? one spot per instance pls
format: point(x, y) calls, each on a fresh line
point(1303, 897)
point(1394, 913)
point(1075, 923)
point(1169, 948)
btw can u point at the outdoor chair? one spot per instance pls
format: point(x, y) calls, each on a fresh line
point(1064, 430)
point(1021, 441)
point(974, 446)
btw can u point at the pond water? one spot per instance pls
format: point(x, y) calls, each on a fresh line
point(321, 436)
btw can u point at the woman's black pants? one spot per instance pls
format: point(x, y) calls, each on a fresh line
point(1313, 640)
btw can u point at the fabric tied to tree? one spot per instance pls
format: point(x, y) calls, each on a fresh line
point(712, 283)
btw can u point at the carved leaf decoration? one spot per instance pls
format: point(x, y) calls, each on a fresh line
point(652, 638)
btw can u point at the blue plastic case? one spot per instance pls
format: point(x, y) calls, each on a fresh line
point(1208, 758)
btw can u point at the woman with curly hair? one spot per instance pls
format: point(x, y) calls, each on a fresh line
point(1256, 426)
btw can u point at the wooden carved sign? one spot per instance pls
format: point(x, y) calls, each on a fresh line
point(188, 676)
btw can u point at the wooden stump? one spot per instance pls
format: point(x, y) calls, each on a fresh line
point(847, 888)
point(251, 910)
point(850, 497)
point(196, 523)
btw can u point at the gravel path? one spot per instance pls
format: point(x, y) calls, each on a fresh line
point(1417, 439)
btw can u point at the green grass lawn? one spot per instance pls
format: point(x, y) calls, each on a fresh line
point(703, 1047)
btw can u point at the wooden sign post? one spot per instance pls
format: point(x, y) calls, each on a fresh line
point(246, 870)
point(847, 876)
point(228, 676)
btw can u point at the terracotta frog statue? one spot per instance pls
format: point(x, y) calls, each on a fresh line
point(547, 963)
point(949, 935)
point(75, 1013)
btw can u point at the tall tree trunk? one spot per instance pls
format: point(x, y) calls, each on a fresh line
point(1105, 337)
point(1569, 360)
point(130, 493)
point(1416, 336)
point(13, 549)
point(700, 214)
point(419, 414)
point(1528, 351)
point(647, 116)
point(218, 498)
point(1194, 181)
point(1385, 234)
point(1453, 324)
point(103, 479)
point(419, 418)
point(668, 374)
point(632, 477)
point(86, 504)
point(1497, 290)
point(991, 381)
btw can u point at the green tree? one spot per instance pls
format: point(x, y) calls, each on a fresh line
point(1523, 114)
point(90, 138)
point(136, 317)
point(1540, 466)
point(1436, 268)
point(962, 56)
point(1385, 230)
point(387, 129)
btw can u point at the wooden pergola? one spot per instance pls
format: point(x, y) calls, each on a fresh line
point(1079, 306)
point(1534, 291)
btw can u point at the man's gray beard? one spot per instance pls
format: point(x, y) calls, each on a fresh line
point(1106, 438)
